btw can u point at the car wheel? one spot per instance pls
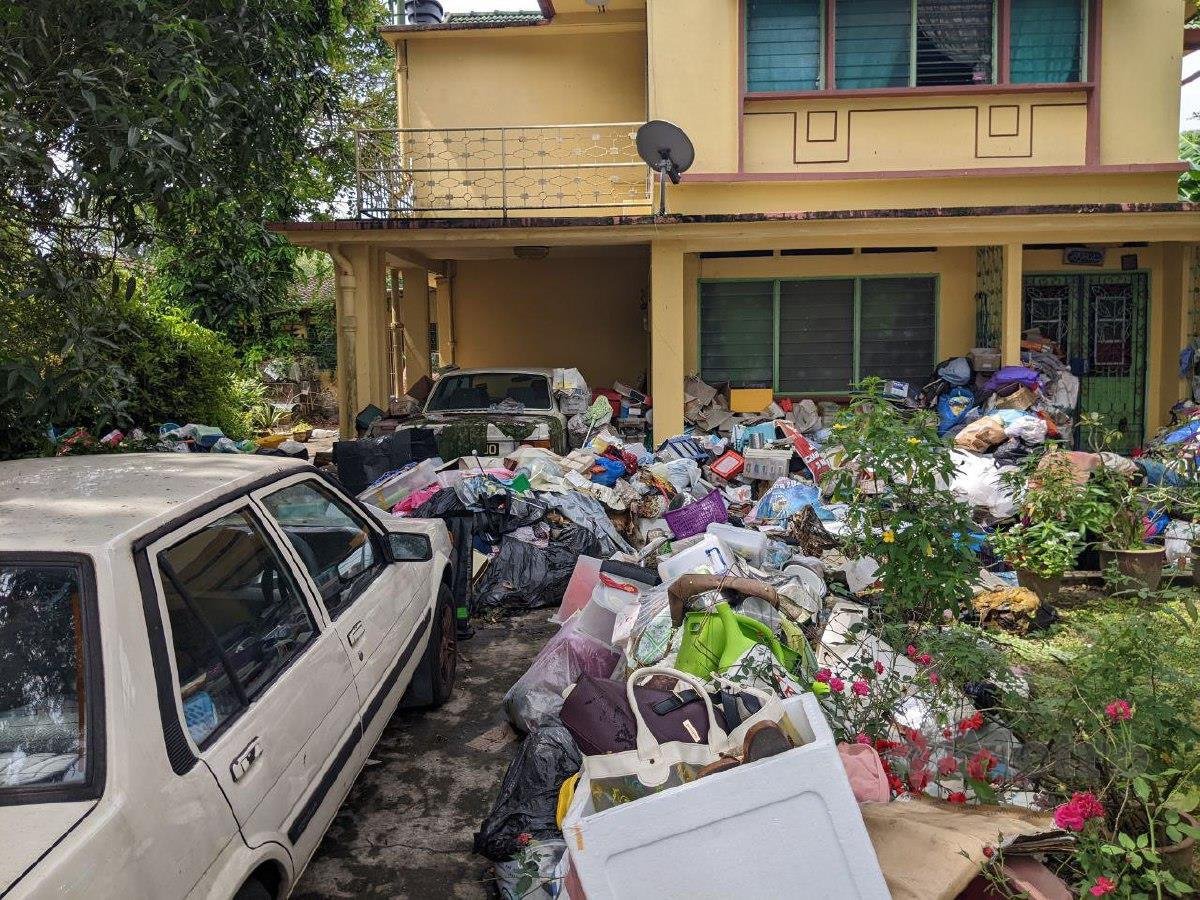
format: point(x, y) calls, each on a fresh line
point(253, 890)
point(433, 680)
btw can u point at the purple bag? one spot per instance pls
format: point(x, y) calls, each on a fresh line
point(597, 714)
point(1013, 375)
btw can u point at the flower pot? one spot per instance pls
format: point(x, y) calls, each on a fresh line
point(1181, 858)
point(302, 436)
point(1046, 588)
point(1144, 566)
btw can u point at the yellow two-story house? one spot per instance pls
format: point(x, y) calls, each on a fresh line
point(878, 185)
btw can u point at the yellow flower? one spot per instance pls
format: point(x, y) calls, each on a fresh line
point(913, 441)
point(838, 426)
point(889, 536)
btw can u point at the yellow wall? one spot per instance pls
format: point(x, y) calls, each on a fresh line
point(540, 79)
point(955, 268)
point(585, 312)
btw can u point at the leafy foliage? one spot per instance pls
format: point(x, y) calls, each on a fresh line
point(1189, 152)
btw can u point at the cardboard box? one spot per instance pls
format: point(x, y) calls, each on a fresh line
point(750, 400)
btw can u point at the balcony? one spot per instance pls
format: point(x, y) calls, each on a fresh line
point(502, 171)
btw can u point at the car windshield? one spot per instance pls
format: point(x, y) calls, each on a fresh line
point(42, 739)
point(483, 390)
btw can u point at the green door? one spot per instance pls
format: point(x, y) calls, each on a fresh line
point(1101, 322)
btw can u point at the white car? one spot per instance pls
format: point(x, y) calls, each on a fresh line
point(197, 655)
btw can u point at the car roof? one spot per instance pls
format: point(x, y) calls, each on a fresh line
point(82, 503)
point(501, 370)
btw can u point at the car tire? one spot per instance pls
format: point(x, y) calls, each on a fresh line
point(433, 681)
point(253, 890)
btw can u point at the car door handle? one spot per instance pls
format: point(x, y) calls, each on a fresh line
point(354, 635)
point(248, 757)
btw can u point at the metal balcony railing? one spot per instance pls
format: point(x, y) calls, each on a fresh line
point(509, 170)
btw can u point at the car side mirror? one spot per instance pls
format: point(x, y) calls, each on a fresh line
point(410, 547)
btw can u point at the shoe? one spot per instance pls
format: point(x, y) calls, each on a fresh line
point(724, 764)
point(763, 740)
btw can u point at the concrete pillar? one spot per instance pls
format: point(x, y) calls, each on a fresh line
point(414, 311)
point(375, 328)
point(397, 332)
point(362, 344)
point(445, 318)
point(1010, 309)
point(347, 334)
point(666, 337)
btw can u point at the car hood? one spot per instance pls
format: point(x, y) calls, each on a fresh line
point(32, 829)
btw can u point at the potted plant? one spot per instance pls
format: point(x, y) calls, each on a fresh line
point(302, 431)
point(1040, 552)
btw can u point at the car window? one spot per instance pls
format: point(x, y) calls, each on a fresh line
point(42, 685)
point(487, 389)
point(237, 618)
point(331, 538)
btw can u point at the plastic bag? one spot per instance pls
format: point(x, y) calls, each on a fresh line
point(981, 435)
point(528, 797)
point(952, 408)
point(535, 700)
point(525, 576)
point(535, 873)
point(785, 499)
point(1030, 429)
point(977, 483)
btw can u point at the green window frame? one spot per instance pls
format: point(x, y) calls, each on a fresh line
point(817, 336)
point(912, 44)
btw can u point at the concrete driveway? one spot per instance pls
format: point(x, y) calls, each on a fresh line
point(406, 828)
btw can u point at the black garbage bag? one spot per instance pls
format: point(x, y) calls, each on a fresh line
point(361, 462)
point(528, 798)
point(525, 576)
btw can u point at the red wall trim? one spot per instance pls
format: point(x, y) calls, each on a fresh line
point(830, 45)
point(1095, 15)
point(741, 81)
point(748, 177)
point(1004, 41)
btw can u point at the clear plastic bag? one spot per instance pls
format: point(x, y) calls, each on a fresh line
point(535, 700)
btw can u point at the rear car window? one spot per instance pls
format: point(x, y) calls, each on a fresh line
point(43, 693)
point(332, 540)
point(237, 619)
point(487, 389)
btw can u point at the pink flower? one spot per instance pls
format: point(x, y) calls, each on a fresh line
point(980, 765)
point(1087, 804)
point(934, 678)
point(910, 651)
point(957, 797)
point(862, 739)
point(878, 667)
point(947, 765)
point(823, 675)
point(861, 688)
point(837, 685)
point(1119, 711)
point(524, 838)
point(1069, 817)
point(1103, 886)
point(925, 660)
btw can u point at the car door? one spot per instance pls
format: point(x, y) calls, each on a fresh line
point(372, 603)
point(263, 683)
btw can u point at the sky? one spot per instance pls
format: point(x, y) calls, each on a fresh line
point(1189, 106)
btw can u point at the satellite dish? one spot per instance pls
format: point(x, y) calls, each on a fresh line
point(668, 151)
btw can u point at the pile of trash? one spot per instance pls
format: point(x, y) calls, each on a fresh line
point(707, 617)
point(174, 438)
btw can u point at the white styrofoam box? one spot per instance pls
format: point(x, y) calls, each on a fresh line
point(784, 826)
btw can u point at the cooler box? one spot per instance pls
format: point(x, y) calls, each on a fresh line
point(785, 826)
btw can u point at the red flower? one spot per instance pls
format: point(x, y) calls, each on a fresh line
point(878, 667)
point(860, 687)
point(1103, 886)
point(862, 739)
point(947, 765)
point(836, 685)
point(1119, 711)
point(980, 765)
point(934, 678)
point(970, 723)
point(925, 660)
point(1087, 804)
point(957, 797)
point(824, 675)
point(989, 852)
point(524, 838)
point(918, 779)
point(883, 745)
point(1069, 817)
point(895, 784)
point(910, 651)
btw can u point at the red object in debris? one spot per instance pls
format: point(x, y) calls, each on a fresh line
point(785, 403)
point(817, 466)
point(728, 465)
point(613, 398)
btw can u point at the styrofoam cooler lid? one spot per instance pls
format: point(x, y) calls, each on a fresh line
point(812, 582)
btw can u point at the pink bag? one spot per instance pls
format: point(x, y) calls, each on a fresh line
point(864, 768)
